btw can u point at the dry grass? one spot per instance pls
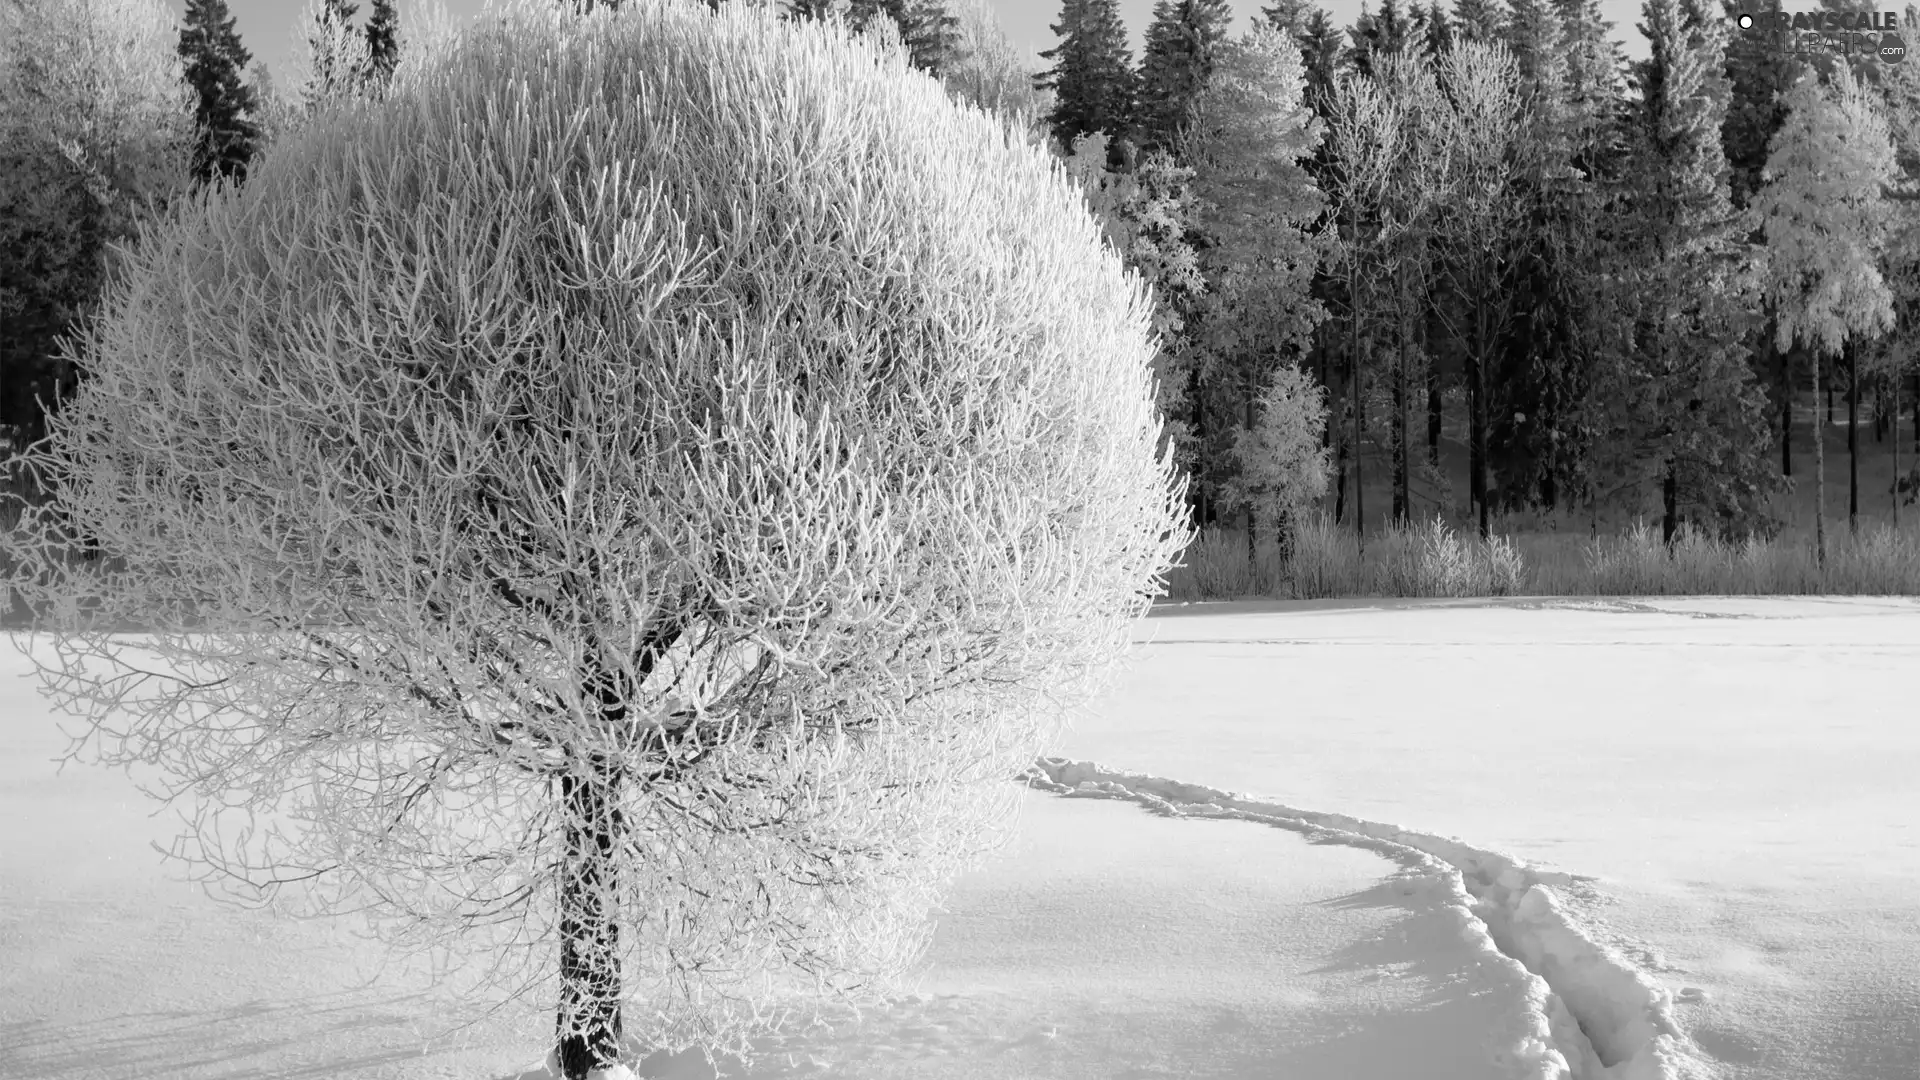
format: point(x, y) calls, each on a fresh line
point(1432, 559)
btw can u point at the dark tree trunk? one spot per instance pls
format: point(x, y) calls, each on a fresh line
point(589, 1018)
point(1433, 398)
point(1670, 497)
point(1829, 400)
point(1253, 551)
point(1401, 495)
point(1359, 420)
point(1786, 403)
point(1879, 410)
point(1340, 482)
point(1853, 438)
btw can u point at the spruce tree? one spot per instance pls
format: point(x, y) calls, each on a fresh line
point(225, 107)
point(1092, 77)
point(1439, 33)
point(383, 44)
point(1320, 51)
point(1701, 417)
point(1181, 46)
point(926, 29)
point(1483, 21)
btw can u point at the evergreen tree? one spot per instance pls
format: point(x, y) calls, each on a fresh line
point(214, 59)
point(926, 29)
point(1439, 35)
point(1289, 16)
point(1320, 51)
point(1092, 77)
point(1484, 21)
point(383, 44)
point(1182, 43)
point(1699, 416)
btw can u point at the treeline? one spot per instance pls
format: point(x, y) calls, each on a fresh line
point(114, 110)
point(1623, 273)
point(1625, 270)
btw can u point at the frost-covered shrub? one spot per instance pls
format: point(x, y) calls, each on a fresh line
point(635, 492)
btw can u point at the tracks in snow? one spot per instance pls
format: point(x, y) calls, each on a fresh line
point(1587, 1012)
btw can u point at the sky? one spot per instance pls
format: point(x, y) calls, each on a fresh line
point(268, 27)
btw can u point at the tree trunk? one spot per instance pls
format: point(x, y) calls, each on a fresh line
point(1402, 496)
point(1433, 400)
point(1819, 476)
point(1896, 429)
point(1359, 417)
point(1477, 415)
point(1199, 420)
point(1786, 403)
point(589, 1018)
point(1253, 551)
point(1670, 500)
point(1853, 439)
point(1340, 482)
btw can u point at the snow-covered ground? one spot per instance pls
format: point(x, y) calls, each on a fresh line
point(1476, 839)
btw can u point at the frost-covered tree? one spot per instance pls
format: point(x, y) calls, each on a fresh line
point(644, 555)
point(331, 56)
point(1482, 224)
point(1249, 132)
point(1368, 136)
point(1822, 210)
point(988, 70)
point(1148, 216)
point(96, 136)
point(1283, 461)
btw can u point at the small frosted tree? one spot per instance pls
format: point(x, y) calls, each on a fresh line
point(638, 544)
point(1822, 205)
point(1282, 464)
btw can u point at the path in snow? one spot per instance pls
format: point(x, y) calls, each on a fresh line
point(1741, 775)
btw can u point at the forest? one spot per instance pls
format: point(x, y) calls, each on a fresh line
point(1444, 269)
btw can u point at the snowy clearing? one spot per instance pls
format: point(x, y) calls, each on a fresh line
point(1598, 839)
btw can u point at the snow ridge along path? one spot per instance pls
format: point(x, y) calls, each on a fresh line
point(1589, 1013)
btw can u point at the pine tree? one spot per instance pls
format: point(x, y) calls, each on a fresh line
point(1092, 77)
point(1181, 47)
point(214, 60)
point(383, 44)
